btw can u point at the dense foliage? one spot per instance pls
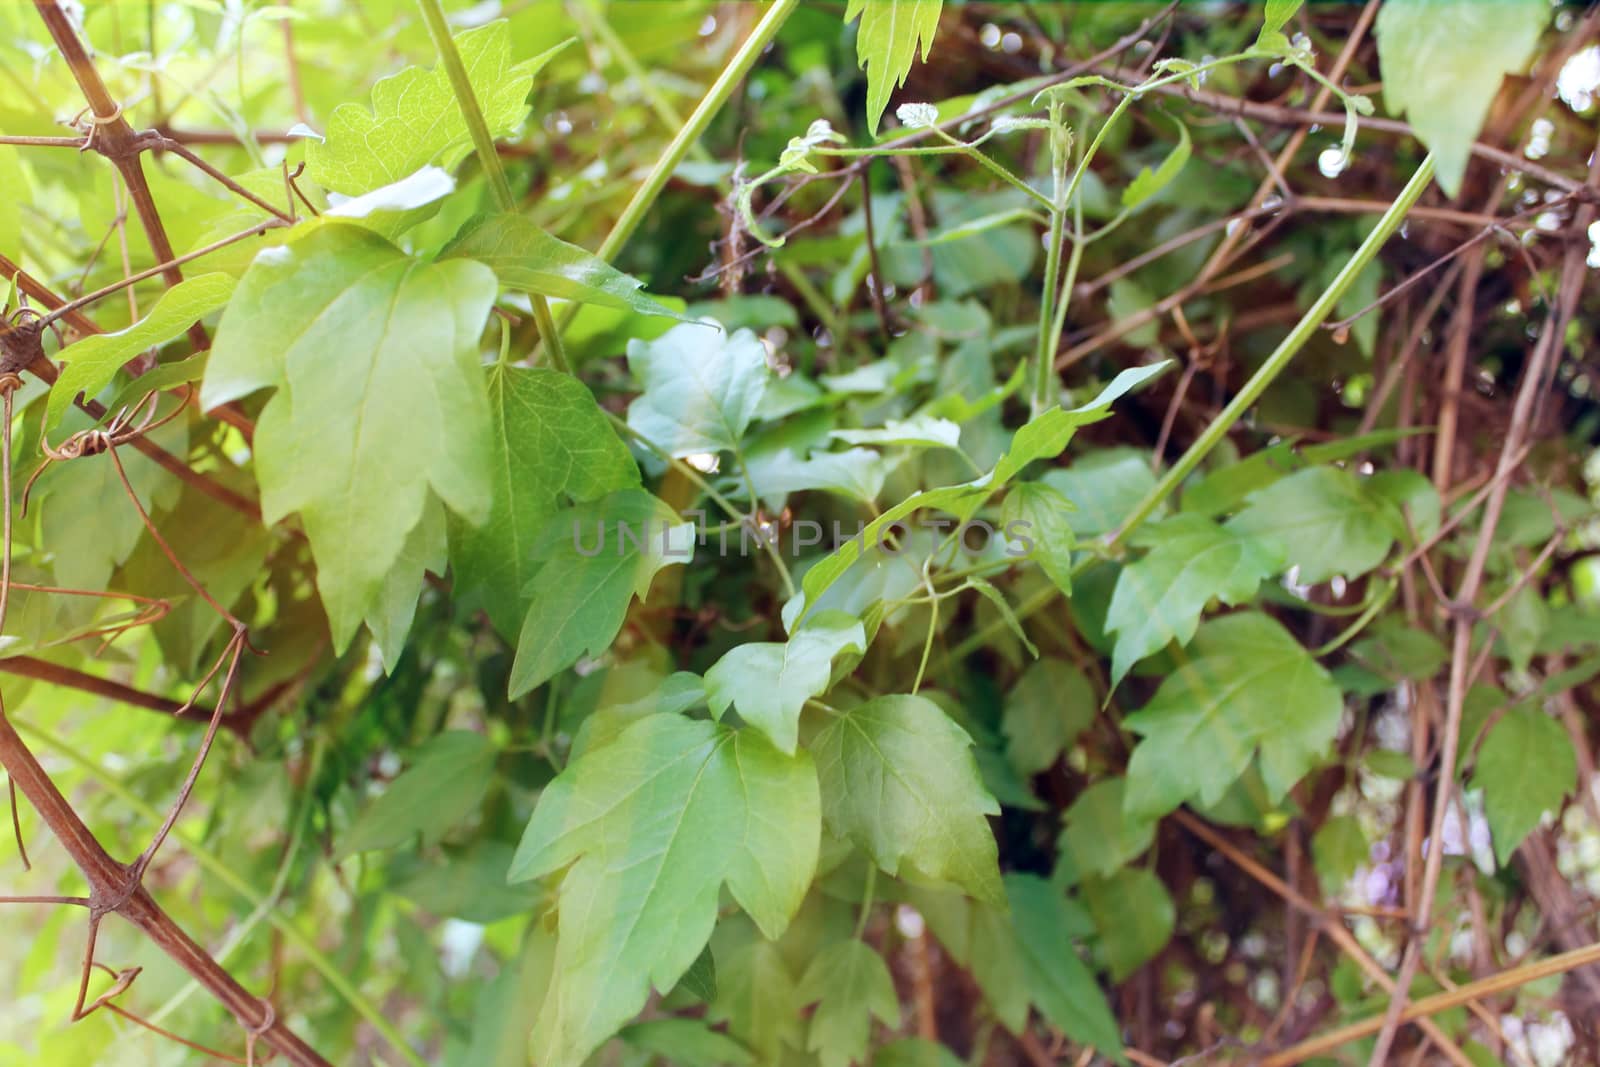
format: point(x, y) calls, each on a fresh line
point(889, 532)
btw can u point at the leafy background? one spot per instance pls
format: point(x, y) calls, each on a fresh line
point(1308, 585)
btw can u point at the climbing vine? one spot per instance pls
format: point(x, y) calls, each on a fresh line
point(894, 532)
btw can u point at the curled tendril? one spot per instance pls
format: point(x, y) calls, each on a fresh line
point(98, 440)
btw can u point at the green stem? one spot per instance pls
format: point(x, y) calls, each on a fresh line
point(588, 13)
point(678, 465)
point(868, 891)
point(1379, 599)
point(1044, 354)
point(488, 157)
point(1218, 429)
point(768, 543)
point(220, 870)
point(689, 134)
point(1281, 356)
point(467, 101)
point(548, 331)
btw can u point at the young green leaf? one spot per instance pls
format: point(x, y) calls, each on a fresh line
point(415, 119)
point(1442, 63)
point(1060, 985)
point(1337, 849)
point(849, 983)
point(887, 42)
point(1036, 517)
point(525, 257)
point(916, 1052)
point(1100, 836)
point(759, 1000)
point(1042, 437)
point(770, 682)
point(92, 362)
point(1525, 768)
point(1246, 684)
point(551, 443)
point(425, 552)
point(1051, 704)
point(689, 1042)
point(1326, 521)
point(88, 539)
point(919, 431)
point(591, 561)
point(700, 980)
point(1147, 183)
point(701, 388)
point(1277, 15)
point(1191, 560)
point(857, 473)
point(1103, 488)
point(648, 829)
point(358, 443)
point(1134, 916)
point(222, 547)
point(443, 785)
point(898, 780)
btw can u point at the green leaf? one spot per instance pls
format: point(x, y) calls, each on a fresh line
point(919, 431)
point(1525, 768)
point(92, 362)
point(525, 257)
point(915, 1052)
point(1046, 435)
point(689, 1042)
point(86, 517)
point(887, 42)
point(551, 443)
point(1246, 684)
point(850, 984)
point(648, 829)
point(981, 938)
point(379, 400)
point(1388, 763)
point(1134, 916)
point(770, 682)
point(1442, 63)
point(222, 548)
point(1159, 599)
point(701, 387)
point(415, 119)
point(1043, 437)
point(1399, 651)
point(1037, 515)
point(1147, 183)
point(1277, 15)
point(444, 784)
point(857, 473)
point(1051, 704)
point(591, 561)
point(1103, 488)
point(470, 886)
point(1325, 519)
point(1337, 849)
point(425, 552)
point(898, 780)
point(700, 980)
point(1101, 836)
point(160, 379)
point(1060, 985)
point(759, 1000)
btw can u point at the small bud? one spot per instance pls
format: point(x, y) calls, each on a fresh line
point(917, 116)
